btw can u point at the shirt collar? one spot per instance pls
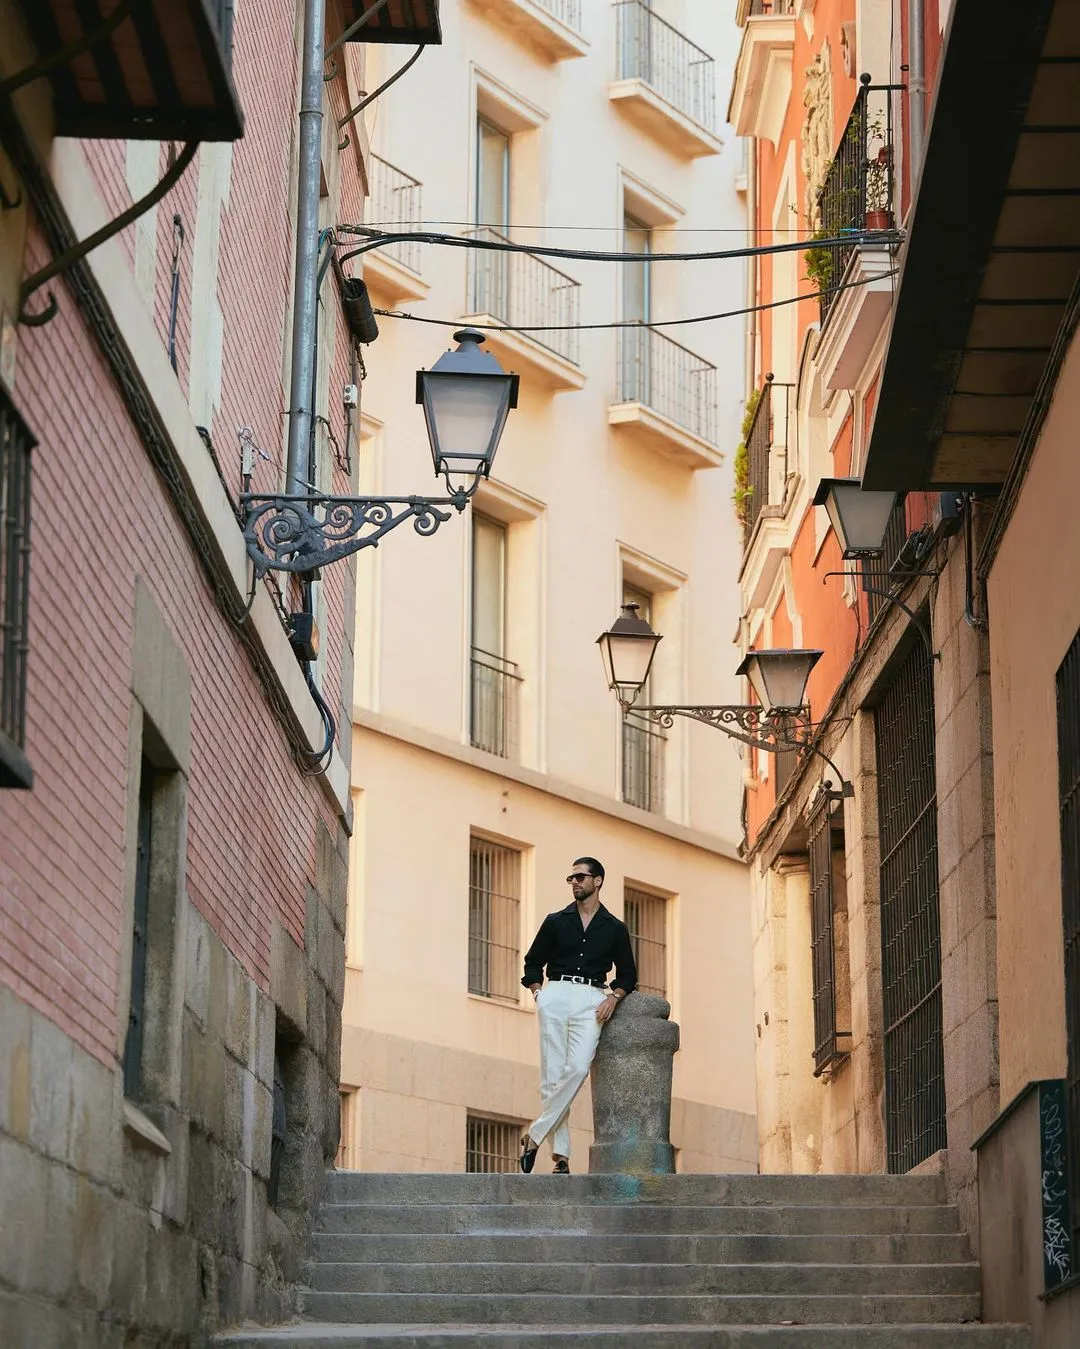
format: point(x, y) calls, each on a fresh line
point(601, 911)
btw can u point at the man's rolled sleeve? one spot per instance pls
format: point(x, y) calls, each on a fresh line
point(536, 957)
point(625, 964)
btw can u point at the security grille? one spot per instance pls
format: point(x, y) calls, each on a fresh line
point(910, 920)
point(494, 920)
point(16, 443)
point(136, 1031)
point(643, 763)
point(646, 918)
point(876, 569)
point(822, 937)
point(1068, 712)
point(493, 691)
point(492, 1144)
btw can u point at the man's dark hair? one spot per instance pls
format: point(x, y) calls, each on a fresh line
point(597, 868)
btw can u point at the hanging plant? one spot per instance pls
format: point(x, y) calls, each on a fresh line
point(743, 492)
point(819, 263)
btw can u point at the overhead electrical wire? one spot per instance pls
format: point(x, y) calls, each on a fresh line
point(502, 227)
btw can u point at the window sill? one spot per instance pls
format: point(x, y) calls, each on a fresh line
point(143, 1132)
point(506, 1005)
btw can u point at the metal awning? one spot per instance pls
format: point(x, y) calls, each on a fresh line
point(993, 249)
point(162, 73)
point(415, 22)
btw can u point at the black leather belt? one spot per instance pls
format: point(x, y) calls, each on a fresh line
point(577, 979)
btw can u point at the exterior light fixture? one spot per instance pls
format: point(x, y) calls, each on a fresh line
point(859, 518)
point(779, 677)
point(779, 723)
point(466, 397)
point(627, 650)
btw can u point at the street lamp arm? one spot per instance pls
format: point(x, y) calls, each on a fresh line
point(751, 725)
point(891, 598)
point(304, 533)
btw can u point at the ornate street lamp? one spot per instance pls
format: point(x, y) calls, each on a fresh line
point(859, 518)
point(780, 721)
point(466, 397)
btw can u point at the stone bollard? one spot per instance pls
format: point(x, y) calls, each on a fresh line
point(631, 1089)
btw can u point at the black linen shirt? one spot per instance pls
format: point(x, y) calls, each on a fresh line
point(565, 946)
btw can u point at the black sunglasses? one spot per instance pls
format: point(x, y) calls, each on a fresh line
point(579, 876)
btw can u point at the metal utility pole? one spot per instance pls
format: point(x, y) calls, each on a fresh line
point(305, 292)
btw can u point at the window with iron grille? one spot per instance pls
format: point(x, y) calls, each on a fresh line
point(493, 679)
point(16, 443)
point(828, 938)
point(643, 740)
point(876, 569)
point(140, 938)
point(494, 920)
point(346, 1153)
point(645, 915)
point(1068, 717)
point(492, 1144)
point(910, 917)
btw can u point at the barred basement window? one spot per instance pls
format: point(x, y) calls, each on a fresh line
point(828, 937)
point(646, 917)
point(1068, 714)
point(492, 1144)
point(494, 920)
point(16, 443)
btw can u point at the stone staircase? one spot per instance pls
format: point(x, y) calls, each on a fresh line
point(665, 1262)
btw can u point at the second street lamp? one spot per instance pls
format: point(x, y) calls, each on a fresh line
point(466, 397)
point(780, 722)
point(859, 518)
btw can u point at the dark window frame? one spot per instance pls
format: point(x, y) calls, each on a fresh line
point(824, 840)
point(17, 443)
point(1067, 684)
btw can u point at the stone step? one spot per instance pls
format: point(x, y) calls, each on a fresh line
point(583, 1219)
point(358, 1309)
point(586, 1277)
point(334, 1336)
point(434, 1188)
point(768, 1248)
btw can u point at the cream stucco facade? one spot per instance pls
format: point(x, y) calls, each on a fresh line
point(614, 472)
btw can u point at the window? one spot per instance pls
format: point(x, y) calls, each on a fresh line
point(1068, 716)
point(493, 679)
point(16, 443)
point(491, 270)
point(634, 348)
point(492, 1144)
point(494, 920)
point(828, 937)
point(642, 740)
point(136, 1031)
point(346, 1159)
point(646, 918)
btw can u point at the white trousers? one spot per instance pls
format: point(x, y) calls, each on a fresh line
point(569, 1034)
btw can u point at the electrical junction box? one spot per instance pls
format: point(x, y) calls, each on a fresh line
point(350, 395)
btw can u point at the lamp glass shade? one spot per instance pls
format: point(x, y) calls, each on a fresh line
point(859, 518)
point(778, 678)
point(466, 397)
point(627, 650)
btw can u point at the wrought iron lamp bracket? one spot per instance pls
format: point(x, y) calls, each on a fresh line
point(753, 726)
point(861, 574)
point(303, 533)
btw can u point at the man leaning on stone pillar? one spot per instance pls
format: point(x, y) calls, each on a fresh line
point(578, 946)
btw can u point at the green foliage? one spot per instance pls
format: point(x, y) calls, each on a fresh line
point(743, 493)
point(819, 263)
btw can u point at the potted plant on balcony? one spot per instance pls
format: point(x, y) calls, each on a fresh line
point(743, 493)
point(878, 178)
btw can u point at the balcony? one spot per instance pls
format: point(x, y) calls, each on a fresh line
point(394, 203)
point(665, 83)
point(164, 74)
point(762, 85)
point(858, 195)
point(643, 763)
point(666, 398)
point(526, 293)
point(552, 28)
point(16, 444)
point(765, 537)
point(493, 689)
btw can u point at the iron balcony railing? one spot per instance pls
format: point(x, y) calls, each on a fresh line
point(643, 763)
point(493, 703)
point(767, 452)
point(395, 204)
point(858, 191)
point(16, 444)
point(650, 49)
point(526, 292)
point(773, 7)
point(664, 376)
point(566, 11)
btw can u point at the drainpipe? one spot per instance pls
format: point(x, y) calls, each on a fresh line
point(305, 292)
point(916, 88)
point(752, 267)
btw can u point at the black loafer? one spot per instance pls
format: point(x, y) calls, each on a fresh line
point(527, 1160)
point(561, 1168)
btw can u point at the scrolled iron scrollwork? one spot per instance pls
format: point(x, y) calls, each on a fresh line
point(304, 533)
